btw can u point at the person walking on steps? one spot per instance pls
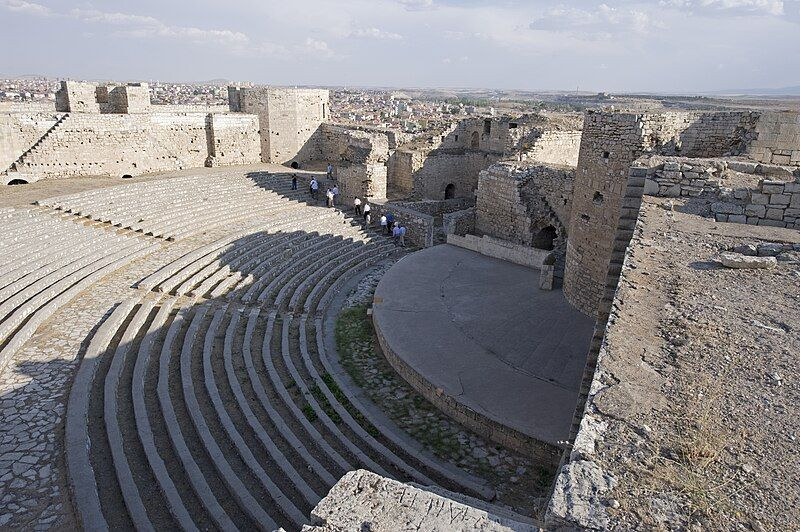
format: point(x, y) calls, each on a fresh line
point(294, 181)
point(357, 206)
point(367, 208)
point(314, 188)
point(329, 197)
point(330, 171)
point(389, 223)
point(367, 219)
point(396, 234)
point(383, 224)
point(335, 193)
point(402, 231)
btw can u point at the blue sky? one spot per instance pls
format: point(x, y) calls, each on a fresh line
point(659, 45)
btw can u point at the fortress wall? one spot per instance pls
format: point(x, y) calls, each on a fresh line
point(555, 147)
point(401, 167)
point(777, 139)
point(611, 141)
point(514, 202)
point(337, 144)
point(234, 139)
point(19, 131)
point(362, 181)
point(442, 168)
point(117, 144)
point(288, 118)
point(419, 225)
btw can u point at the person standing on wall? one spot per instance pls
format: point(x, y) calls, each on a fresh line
point(330, 171)
point(294, 181)
point(357, 206)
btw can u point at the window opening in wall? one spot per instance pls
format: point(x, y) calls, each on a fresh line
point(606, 155)
point(17, 182)
point(544, 238)
point(487, 126)
point(476, 141)
point(597, 199)
point(127, 176)
point(512, 125)
point(456, 138)
point(450, 191)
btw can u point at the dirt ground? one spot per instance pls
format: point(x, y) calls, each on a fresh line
point(697, 393)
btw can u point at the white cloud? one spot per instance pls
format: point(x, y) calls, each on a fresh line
point(604, 19)
point(416, 5)
point(316, 48)
point(762, 7)
point(28, 8)
point(375, 33)
point(144, 27)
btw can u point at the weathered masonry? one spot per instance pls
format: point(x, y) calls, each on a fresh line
point(288, 118)
point(612, 141)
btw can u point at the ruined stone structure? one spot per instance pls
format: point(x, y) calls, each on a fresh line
point(288, 118)
point(613, 140)
point(452, 166)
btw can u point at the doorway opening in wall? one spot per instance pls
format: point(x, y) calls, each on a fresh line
point(544, 238)
point(476, 140)
point(17, 182)
point(295, 165)
point(127, 176)
point(450, 191)
point(487, 126)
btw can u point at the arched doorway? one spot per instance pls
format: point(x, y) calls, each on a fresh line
point(450, 191)
point(476, 140)
point(127, 176)
point(544, 238)
point(17, 182)
point(294, 164)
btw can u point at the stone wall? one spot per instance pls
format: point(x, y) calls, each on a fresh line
point(337, 144)
point(459, 222)
point(441, 169)
point(365, 181)
point(117, 144)
point(131, 98)
point(515, 201)
point(19, 131)
point(288, 118)
point(76, 97)
point(501, 249)
point(402, 165)
point(419, 226)
point(611, 141)
point(233, 139)
point(778, 139)
point(735, 191)
point(554, 147)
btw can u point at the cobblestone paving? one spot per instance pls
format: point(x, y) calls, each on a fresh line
point(34, 388)
point(520, 484)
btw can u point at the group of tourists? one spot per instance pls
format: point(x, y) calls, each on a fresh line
point(389, 225)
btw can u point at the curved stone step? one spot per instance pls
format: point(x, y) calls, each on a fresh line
point(286, 505)
point(193, 471)
point(77, 443)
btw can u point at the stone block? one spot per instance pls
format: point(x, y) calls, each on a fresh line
point(723, 207)
point(758, 211)
point(780, 199)
point(737, 218)
point(772, 187)
point(721, 217)
point(738, 261)
point(774, 214)
point(650, 187)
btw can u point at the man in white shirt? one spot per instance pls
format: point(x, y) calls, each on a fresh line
point(335, 193)
point(330, 171)
point(357, 205)
point(329, 196)
point(314, 188)
point(383, 223)
point(367, 208)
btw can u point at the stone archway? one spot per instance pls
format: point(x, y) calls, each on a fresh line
point(544, 238)
point(476, 140)
point(17, 181)
point(449, 191)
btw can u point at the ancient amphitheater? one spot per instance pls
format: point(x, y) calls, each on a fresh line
point(594, 325)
